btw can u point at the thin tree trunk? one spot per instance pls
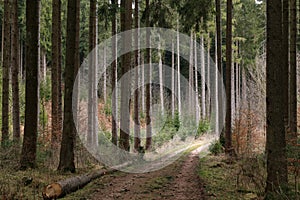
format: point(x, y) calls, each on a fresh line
point(114, 77)
point(15, 72)
point(137, 140)
point(126, 19)
point(6, 65)
point(293, 72)
point(178, 71)
point(203, 105)
point(196, 83)
point(104, 76)
point(208, 99)
point(161, 87)
point(216, 94)
point(148, 86)
point(28, 155)
point(191, 76)
point(173, 82)
point(219, 65)
point(228, 140)
point(92, 66)
point(56, 14)
point(66, 162)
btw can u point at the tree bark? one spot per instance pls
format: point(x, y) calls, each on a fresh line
point(178, 71)
point(92, 66)
point(126, 19)
point(203, 103)
point(61, 188)
point(161, 86)
point(276, 143)
point(293, 72)
point(66, 162)
point(114, 131)
point(6, 65)
point(28, 155)
point(219, 64)
point(228, 140)
point(56, 34)
point(137, 140)
point(15, 72)
point(196, 83)
point(173, 82)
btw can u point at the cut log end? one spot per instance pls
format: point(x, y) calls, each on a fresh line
point(52, 191)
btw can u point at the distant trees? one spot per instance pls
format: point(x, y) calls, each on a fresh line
point(28, 155)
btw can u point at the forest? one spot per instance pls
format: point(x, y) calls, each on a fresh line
point(149, 99)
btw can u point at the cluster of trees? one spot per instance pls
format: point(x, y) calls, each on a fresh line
point(39, 40)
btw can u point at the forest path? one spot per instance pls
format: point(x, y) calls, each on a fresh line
point(176, 181)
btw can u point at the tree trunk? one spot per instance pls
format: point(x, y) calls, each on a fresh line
point(219, 65)
point(208, 97)
point(66, 162)
point(114, 72)
point(161, 86)
point(126, 18)
point(276, 143)
point(56, 36)
point(104, 77)
point(203, 104)
point(228, 140)
point(137, 140)
point(15, 72)
point(148, 85)
point(92, 66)
point(293, 72)
point(285, 56)
point(5, 72)
point(191, 76)
point(28, 155)
point(178, 71)
point(61, 188)
point(196, 83)
point(173, 82)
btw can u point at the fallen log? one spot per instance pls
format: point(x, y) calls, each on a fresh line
point(67, 186)
point(64, 187)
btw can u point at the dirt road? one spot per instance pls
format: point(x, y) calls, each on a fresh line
point(177, 181)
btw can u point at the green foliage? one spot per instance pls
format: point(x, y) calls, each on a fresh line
point(45, 89)
point(107, 108)
point(216, 147)
point(203, 127)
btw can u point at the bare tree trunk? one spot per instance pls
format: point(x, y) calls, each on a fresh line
point(15, 72)
point(104, 76)
point(66, 162)
point(178, 71)
point(173, 82)
point(126, 19)
point(56, 36)
point(293, 72)
point(148, 86)
point(216, 120)
point(276, 140)
point(137, 140)
point(203, 105)
point(114, 131)
point(208, 99)
point(196, 82)
point(28, 155)
point(232, 78)
point(5, 72)
point(191, 76)
point(161, 87)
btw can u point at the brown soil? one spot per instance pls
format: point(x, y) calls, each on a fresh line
point(176, 181)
